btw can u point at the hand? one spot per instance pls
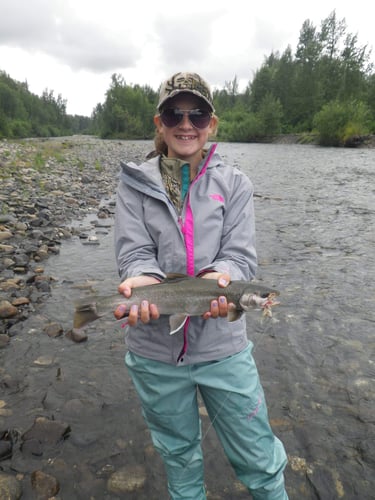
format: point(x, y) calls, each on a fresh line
point(219, 306)
point(146, 311)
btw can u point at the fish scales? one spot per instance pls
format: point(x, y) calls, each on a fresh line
point(177, 298)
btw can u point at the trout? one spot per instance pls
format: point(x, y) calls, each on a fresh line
point(180, 298)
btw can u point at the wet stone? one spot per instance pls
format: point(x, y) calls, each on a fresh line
point(4, 340)
point(45, 485)
point(47, 431)
point(5, 449)
point(54, 330)
point(127, 480)
point(76, 335)
point(10, 487)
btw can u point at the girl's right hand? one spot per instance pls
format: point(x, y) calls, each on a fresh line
point(146, 311)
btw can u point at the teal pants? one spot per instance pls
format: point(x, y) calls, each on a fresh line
point(234, 398)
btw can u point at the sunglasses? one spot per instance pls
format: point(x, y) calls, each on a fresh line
point(199, 118)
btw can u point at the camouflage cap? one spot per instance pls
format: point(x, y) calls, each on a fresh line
point(185, 82)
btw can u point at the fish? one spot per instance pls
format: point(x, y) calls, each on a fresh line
point(180, 297)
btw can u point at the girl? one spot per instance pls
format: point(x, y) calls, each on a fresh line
point(184, 210)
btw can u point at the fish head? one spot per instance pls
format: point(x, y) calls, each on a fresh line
point(251, 299)
point(247, 300)
point(261, 298)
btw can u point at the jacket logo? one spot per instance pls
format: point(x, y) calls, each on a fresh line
point(217, 197)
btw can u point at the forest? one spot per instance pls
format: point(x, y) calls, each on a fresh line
point(324, 88)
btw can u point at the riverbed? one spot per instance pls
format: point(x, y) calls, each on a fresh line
point(315, 212)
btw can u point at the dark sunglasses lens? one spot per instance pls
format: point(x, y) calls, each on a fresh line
point(171, 117)
point(198, 118)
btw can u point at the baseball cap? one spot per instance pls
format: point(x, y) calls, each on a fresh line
point(185, 82)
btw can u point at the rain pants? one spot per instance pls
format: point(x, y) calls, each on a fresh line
point(234, 398)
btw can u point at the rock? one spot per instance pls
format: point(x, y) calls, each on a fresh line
point(5, 449)
point(47, 431)
point(7, 310)
point(6, 248)
point(20, 301)
point(5, 235)
point(44, 485)
point(127, 480)
point(10, 487)
point(91, 240)
point(4, 340)
point(4, 218)
point(42, 253)
point(44, 361)
point(54, 330)
point(8, 262)
point(76, 335)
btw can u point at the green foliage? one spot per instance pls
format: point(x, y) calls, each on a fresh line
point(23, 114)
point(19, 128)
point(340, 123)
point(127, 112)
point(269, 115)
point(239, 126)
point(39, 161)
point(328, 65)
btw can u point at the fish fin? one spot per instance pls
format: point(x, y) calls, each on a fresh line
point(234, 314)
point(84, 316)
point(176, 322)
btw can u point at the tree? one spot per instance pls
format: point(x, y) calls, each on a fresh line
point(269, 115)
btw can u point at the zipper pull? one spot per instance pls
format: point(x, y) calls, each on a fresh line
point(181, 224)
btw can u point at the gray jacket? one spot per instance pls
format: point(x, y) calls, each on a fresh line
point(216, 231)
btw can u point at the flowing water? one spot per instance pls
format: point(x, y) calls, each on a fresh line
point(315, 212)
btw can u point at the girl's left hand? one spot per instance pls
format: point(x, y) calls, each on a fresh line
point(219, 306)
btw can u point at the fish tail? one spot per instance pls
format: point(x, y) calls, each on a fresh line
point(84, 316)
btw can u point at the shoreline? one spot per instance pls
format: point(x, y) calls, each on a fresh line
point(46, 184)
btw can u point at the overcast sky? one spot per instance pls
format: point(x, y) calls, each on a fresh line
point(74, 46)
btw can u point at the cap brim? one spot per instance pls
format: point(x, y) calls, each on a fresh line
point(184, 91)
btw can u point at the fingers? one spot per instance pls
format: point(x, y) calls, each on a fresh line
point(126, 286)
point(125, 289)
point(219, 308)
point(120, 311)
point(144, 313)
point(224, 280)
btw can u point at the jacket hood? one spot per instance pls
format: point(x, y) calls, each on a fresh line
point(148, 172)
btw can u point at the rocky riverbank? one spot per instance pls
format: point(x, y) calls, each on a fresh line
point(45, 184)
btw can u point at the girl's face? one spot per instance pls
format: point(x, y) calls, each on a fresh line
point(185, 141)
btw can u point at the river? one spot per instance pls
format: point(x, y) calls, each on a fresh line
point(315, 213)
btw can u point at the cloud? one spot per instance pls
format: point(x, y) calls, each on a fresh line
point(54, 29)
point(184, 39)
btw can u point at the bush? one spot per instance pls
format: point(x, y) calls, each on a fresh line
point(20, 128)
point(238, 126)
point(339, 123)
